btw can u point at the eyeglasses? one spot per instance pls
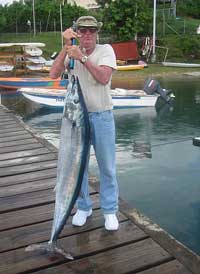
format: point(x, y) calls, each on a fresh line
point(84, 30)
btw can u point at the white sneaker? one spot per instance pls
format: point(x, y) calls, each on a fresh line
point(111, 222)
point(80, 217)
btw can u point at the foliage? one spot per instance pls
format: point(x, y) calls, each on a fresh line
point(47, 14)
point(189, 8)
point(190, 46)
point(103, 3)
point(186, 48)
point(125, 18)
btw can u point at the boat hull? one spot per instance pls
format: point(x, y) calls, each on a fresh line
point(180, 65)
point(56, 98)
point(16, 83)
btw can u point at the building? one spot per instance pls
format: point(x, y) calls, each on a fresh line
point(87, 4)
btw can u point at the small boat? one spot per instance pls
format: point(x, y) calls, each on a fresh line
point(130, 67)
point(15, 57)
point(180, 65)
point(45, 82)
point(32, 50)
point(37, 60)
point(6, 67)
point(121, 98)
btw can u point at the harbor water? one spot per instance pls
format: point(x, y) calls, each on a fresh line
point(162, 177)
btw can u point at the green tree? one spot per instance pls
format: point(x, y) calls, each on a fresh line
point(125, 18)
point(189, 8)
point(3, 21)
point(103, 3)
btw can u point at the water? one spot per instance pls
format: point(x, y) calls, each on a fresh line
point(165, 186)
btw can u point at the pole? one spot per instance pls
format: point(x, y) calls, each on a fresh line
point(163, 22)
point(136, 11)
point(61, 25)
point(34, 28)
point(153, 59)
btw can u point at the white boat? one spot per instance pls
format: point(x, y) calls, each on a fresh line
point(37, 60)
point(180, 65)
point(32, 50)
point(10, 45)
point(14, 56)
point(6, 67)
point(121, 98)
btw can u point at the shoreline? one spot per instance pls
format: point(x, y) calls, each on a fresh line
point(135, 78)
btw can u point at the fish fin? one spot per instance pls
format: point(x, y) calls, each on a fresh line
point(49, 248)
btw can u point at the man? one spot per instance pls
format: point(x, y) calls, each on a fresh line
point(94, 64)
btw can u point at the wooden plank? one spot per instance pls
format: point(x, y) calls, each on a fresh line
point(8, 122)
point(32, 176)
point(21, 169)
point(10, 130)
point(13, 138)
point(26, 199)
point(18, 142)
point(25, 153)
point(99, 264)
point(182, 253)
point(30, 194)
point(5, 112)
point(7, 149)
point(173, 267)
point(119, 259)
point(27, 160)
point(6, 126)
point(27, 216)
point(28, 187)
point(12, 133)
point(23, 236)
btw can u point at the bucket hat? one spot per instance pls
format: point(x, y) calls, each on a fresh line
point(88, 21)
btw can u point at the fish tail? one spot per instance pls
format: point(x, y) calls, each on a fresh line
point(51, 248)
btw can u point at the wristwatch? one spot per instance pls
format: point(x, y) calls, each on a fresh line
point(84, 59)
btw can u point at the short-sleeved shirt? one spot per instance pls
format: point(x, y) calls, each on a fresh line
point(97, 96)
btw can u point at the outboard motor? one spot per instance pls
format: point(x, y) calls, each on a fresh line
point(152, 86)
point(166, 97)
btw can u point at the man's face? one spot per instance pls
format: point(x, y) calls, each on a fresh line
point(88, 37)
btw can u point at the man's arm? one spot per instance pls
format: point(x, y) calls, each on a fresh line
point(58, 65)
point(101, 73)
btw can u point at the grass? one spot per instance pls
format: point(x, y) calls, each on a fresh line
point(155, 70)
point(51, 39)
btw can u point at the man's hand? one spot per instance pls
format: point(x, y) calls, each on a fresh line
point(68, 34)
point(74, 52)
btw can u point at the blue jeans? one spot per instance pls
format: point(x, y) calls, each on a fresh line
point(103, 140)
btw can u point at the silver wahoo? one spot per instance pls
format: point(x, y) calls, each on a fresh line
point(72, 156)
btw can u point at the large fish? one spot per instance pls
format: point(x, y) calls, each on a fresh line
point(72, 156)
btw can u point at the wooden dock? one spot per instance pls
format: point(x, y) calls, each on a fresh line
point(27, 178)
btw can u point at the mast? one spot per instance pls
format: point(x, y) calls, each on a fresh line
point(154, 32)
